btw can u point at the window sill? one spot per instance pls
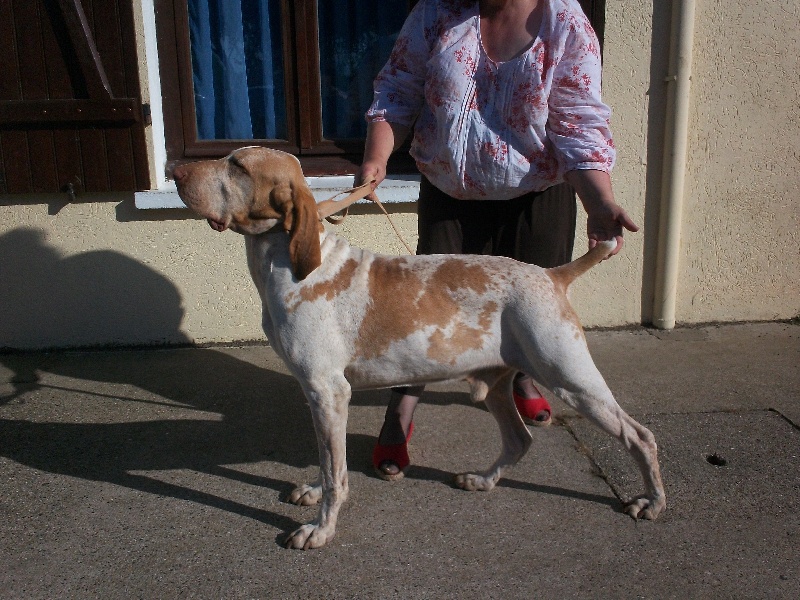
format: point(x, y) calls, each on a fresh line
point(394, 189)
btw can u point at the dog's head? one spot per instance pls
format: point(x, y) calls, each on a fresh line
point(252, 190)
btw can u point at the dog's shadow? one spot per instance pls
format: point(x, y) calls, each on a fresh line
point(195, 422)
point(263, 418)
point(185, 409)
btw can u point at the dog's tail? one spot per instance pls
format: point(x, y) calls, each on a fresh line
point(566, 274)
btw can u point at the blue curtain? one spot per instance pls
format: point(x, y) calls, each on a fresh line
point(237, 67)
point(237, 64)
point(355, 40)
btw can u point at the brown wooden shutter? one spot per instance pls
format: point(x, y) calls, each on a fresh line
point(71, 116)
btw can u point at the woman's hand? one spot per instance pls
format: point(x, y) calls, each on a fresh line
point(369, 170)
point(383, 138)
point(607, 220)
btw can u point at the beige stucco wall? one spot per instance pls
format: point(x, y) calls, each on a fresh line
point(741, 237)
point(100, 271)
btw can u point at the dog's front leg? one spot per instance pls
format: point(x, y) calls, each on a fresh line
point(329, 410)
point(307, 494)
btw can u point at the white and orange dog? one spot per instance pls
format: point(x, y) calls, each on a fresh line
point(343, 318)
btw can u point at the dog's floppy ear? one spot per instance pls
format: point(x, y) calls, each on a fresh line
point(304, 228)
point(280, 192)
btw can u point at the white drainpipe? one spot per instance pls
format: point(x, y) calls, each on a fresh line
point(672, 184)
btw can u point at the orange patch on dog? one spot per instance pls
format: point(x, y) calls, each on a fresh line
point(328, 289)
point(455, 274)
point(444, 348)
point(396, 289)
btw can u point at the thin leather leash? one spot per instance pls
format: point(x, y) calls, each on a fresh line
point(327, 208)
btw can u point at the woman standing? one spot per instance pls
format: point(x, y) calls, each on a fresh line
point(503, 97)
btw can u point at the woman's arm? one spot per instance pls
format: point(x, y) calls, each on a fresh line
point(399, 94)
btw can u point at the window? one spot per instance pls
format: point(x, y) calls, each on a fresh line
point(294, 75)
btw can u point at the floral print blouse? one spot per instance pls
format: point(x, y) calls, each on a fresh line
point(496, 130)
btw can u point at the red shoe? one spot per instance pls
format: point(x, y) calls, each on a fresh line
point(393, 453)
point(534, 411)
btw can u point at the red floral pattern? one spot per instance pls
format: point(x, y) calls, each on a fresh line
point(496, 130)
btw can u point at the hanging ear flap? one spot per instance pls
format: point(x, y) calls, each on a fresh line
point(304, 227)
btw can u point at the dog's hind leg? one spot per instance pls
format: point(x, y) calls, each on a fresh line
point(570, 373)
point(329, 403)
point(637, 439)
point(514, 434)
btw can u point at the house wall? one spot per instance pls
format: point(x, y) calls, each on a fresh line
point(741, 241)
point(99, 271)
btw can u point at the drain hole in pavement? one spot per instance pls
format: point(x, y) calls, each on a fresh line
point(716, 460)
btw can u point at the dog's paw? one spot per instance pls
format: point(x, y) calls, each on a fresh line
point(472, 482)
point(309, 536)
point(306, 495)
point(644, 507)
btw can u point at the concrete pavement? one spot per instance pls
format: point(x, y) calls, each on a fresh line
point(161, 473)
